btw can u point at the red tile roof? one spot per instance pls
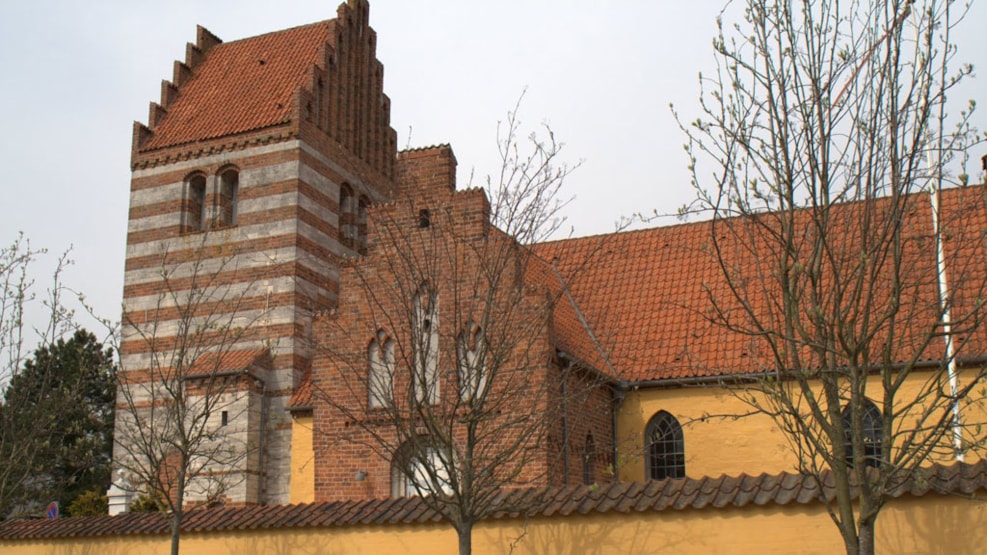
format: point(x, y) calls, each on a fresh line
point(301, 399)
point(646, 294)
point(242, 86)
point(230, 361)
point(619, 497)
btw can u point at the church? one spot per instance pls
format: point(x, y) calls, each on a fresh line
point(269, 164)
point(362, 327)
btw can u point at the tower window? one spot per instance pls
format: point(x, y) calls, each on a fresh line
point(347, 216)
point(424, 219)
point(361, 224)
point(229, 191)
point(195, 204)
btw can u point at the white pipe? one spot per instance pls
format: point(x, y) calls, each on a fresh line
point(946, 321)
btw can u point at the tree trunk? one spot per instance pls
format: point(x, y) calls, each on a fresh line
point(865, 537)
point(851, 544)
point(465, 533)
point(176, 524)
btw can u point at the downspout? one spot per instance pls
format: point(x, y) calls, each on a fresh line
point(947, 323)
point(565, 421)
point(619, 393)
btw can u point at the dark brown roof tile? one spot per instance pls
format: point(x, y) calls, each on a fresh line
point(671, 494)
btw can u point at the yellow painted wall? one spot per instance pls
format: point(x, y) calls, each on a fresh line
point(302, 460)
point(929, 525)
point(716, 440)
point(722, 437)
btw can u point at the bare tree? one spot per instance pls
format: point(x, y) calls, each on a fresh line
point(855, 279)
point(26, 323)
point(185, 429)
point(439, 358)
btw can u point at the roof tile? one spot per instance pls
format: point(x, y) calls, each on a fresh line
point(644, 295)
point(670, 494)
point(242, 86)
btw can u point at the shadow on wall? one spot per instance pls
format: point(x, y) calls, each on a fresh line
point(437, 539)
point(77, 546)
point(954, 525)
point(589, 536)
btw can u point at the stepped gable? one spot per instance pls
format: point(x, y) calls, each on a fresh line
point(231, 88)
point(315, 81)
point(645, 294)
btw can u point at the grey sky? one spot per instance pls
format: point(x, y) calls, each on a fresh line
point(77, 74)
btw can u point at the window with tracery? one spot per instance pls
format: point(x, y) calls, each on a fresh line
point(664, 447)
point(872, 435)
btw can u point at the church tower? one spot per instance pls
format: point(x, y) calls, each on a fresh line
point(250, 182)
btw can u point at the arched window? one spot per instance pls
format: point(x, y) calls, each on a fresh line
point(418, 468)
point(229, 192)
point(380, 379)
point(361, 224)
point(664, 447)
point(195, 204)
point(347, 219)
point(425, 345)
point(589, 455)
point(871, 428)
point(471, 355)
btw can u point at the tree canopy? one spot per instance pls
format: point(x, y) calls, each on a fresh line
point(58, 407)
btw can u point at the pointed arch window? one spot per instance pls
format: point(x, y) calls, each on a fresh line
point(872, 434)
point(471, 355)
point(380, 380)
point(425, 345)
point(664, 447)
point(589, 454)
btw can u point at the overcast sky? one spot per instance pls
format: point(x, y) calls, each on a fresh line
point(75, 75)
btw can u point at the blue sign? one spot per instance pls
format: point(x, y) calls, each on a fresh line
point(52, 510)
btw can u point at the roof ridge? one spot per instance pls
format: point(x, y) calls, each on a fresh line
point(286, 29)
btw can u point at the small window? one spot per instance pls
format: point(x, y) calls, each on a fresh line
point(664, 447)
point(380, 379)
point(589, 457)
point(424, 218)
point(871, 428)
point(224, 418)
point(195, 204)
point(229, 191)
